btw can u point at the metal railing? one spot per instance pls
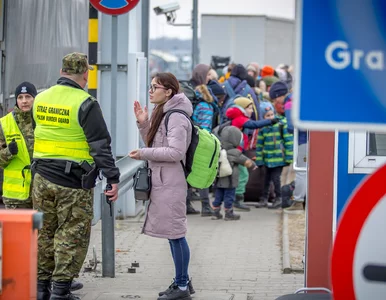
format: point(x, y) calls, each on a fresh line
point(106, 212)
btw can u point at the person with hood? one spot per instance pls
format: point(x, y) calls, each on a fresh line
point(253, 70)
point(238, 84)
point(166, 212)
point(240, 115)
point(200, 75)
point(203, 116)
point(17, 141)
point(230, 138)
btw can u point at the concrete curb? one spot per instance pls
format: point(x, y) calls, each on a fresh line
point(285, 241)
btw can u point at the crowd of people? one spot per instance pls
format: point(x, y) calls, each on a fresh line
point(56, 143)
point(249, 110)
point(258, 103)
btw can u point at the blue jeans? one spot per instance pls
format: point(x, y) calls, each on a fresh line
point(224, 195)
point(181, 256)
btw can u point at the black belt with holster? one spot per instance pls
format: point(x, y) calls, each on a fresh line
point(85, 172)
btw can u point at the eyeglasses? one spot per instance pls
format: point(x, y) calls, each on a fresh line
point(152, 88)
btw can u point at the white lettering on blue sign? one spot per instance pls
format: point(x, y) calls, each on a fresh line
point(374, 60)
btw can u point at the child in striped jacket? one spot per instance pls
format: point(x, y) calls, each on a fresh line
point(274, 151)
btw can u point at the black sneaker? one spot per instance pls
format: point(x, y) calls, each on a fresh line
point(238, 204)
point(175, 293)
point(262, 203)
point(190, 287)
point(190, 209)
point(276, 204)
point(206, 210)
point(217, 215)
point(168, 290)
point(231, 216)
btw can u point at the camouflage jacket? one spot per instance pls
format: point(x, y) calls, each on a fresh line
point(24, 121)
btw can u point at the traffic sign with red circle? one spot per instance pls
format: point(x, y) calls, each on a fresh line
point(358, 263)
point(114, 7)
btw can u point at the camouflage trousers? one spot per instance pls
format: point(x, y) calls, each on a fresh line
point(63, 241)
point(16, 204)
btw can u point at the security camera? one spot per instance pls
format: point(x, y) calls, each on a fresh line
point(167, 8)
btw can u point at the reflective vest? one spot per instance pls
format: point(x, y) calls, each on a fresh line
point(17, 175)
point(58, 134)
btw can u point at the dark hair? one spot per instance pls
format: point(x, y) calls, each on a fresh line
point(251, 81)
point(169, 81)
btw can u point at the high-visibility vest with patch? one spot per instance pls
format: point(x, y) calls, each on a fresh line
point(17, 175)
point(58, 134)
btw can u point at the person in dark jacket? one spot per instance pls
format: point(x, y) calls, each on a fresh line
point(238, 83)
point(71, 143)
point(203, 116)
point(230, 138)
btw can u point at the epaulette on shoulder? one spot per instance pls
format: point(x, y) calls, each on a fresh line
point(92, 98)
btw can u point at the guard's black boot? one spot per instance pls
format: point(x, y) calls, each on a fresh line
point(275, 204)
point(239, 203)
point(206, 210)
point(230, 215)
point(76, 285)
point(44, 290)
point(175, 293)
point(170, 288)
point(217, 215)
point(61, 291)
point(262, 203)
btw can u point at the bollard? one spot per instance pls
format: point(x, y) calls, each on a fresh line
point(108, 238)
point(18, 238)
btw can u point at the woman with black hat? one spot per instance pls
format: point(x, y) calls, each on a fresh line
point(17, 140)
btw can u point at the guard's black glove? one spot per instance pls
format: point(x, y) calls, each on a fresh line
point(12, 147)
point(274, 121)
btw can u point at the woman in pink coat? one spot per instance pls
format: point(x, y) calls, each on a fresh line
point(166, 215)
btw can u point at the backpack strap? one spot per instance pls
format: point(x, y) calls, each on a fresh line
point(167, 115)
point(230, 91)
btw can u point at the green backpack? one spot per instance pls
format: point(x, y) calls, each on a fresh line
point(202, 155)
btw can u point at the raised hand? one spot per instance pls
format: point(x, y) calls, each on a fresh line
point(141, 115)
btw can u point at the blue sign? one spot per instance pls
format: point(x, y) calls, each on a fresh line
point(341, 82)
point(114, 7)
point(114, 4)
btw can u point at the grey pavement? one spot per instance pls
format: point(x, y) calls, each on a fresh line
point(236, 260)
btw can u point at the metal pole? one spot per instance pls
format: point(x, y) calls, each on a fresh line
point(195, 49)
point(108, 236)
point(108, 239)
point(114, 73)
point(145, 39)
point(145, 27)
